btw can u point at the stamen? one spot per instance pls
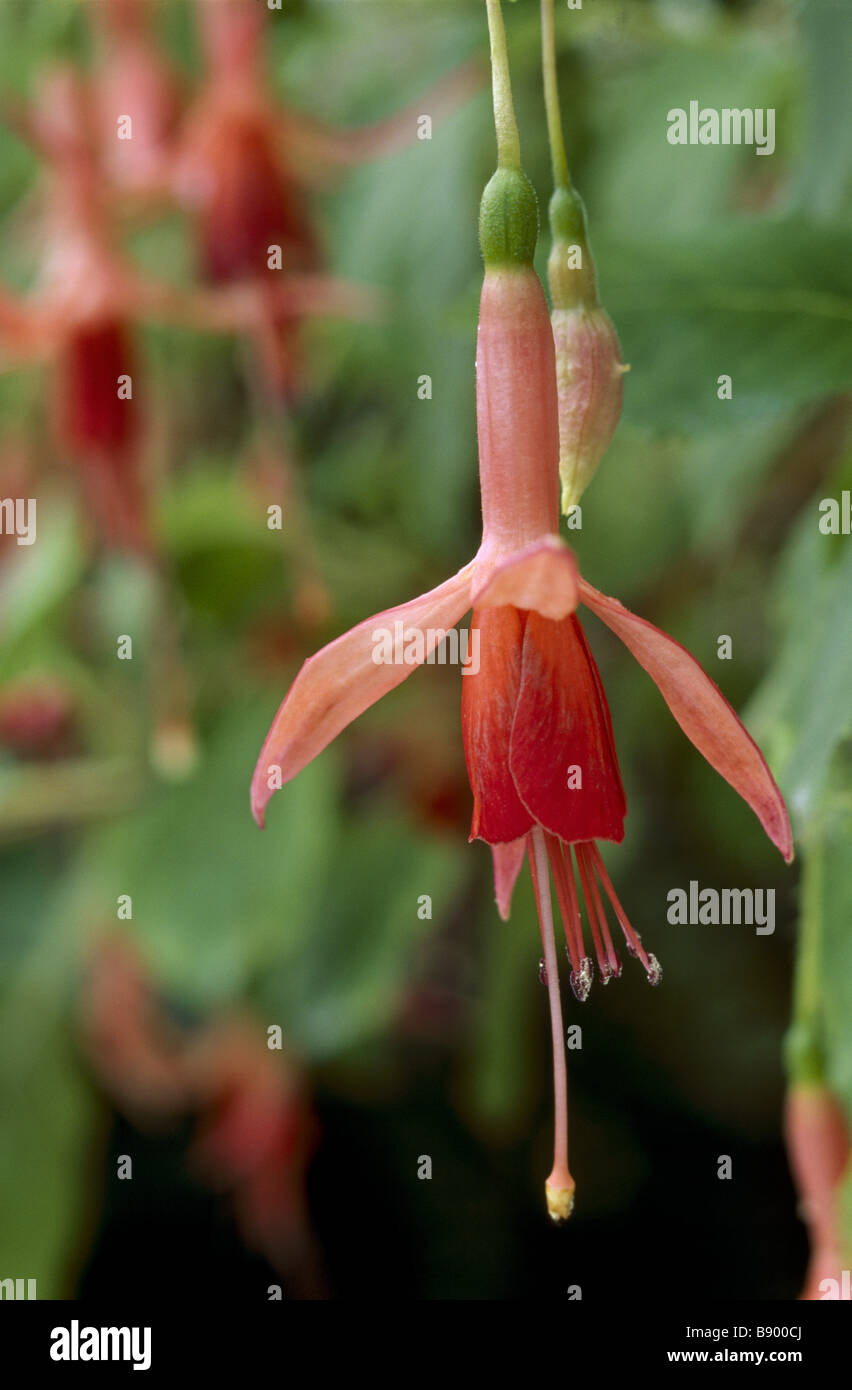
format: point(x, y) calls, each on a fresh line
point(559, 1188)
point(581, 980)
point(603, 964)
point(566, 896)
point(613, 971)
point(634, 944)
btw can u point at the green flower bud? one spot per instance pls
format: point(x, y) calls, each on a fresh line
point(570, 266)
point(508, 219)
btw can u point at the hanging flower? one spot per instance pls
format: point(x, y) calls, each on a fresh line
point(818, 1146)
point(254, 1130)
point(536, 727)
point(137, 96)
point(81, 314)
point(243, 165)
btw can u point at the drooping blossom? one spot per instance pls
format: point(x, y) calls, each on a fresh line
point(536, 727)
point(243, 165)
point(78, 315)
point(819, 1150)
point(137, 97)
point(254, 1132)
point(255, 1136)
point(231, 169)
point(81, 314)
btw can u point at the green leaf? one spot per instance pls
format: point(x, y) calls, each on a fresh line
point(47, 1108)
point(803, 706)
point(41, 576)
point(505, 1026)
point(824, 180)
point(214, 898)
point(689, 309)
point(344, 980)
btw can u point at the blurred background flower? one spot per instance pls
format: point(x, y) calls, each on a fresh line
point(359, 923)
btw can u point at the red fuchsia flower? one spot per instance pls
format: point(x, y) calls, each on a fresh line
point(537, 732)
point(230, 169)
point(535, 715)
point(135, 81)
point(256, 1133)
point(81, 314)
point(242, 166)
point(132, 1044)
point(818, 1146)
point(254, 1130)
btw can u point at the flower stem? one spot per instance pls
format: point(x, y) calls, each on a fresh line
point(559, 1187)
point(804, 1042)
point(558, 157)
point(505, 126)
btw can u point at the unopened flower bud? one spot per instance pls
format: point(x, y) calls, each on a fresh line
point(589, 368)
point(508, 219)
point(589, 375)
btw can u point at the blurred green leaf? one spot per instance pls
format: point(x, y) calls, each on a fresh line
point(803, 706)
point(41, 575)
point(824, 181)
point(767, 302)
point(48, 1111)
point(343, 980)
point(214, 898)
point(505, 1027)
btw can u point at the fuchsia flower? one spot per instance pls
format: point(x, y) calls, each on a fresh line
point(818, 1146)
point(254, 1130)
point(230, 169)
point(536, 727)
point(81, 314)
point(242, 166)
point(134, 79)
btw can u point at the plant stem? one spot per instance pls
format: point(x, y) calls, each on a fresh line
point(505, 126)
point(806, 1059)
point(36, 799)
point(558, 157)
